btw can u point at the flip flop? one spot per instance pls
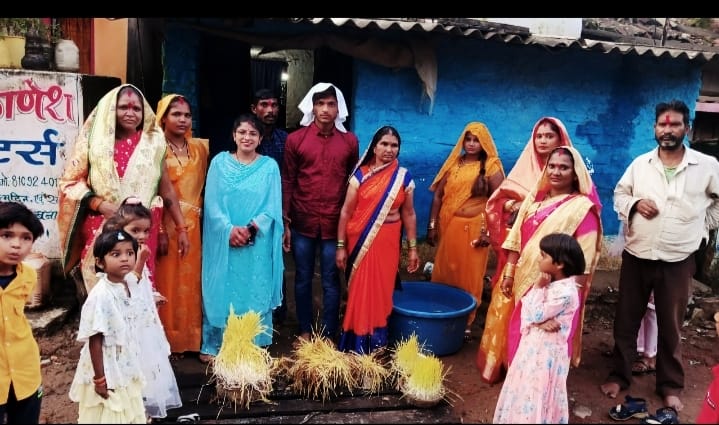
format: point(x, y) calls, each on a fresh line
point(191, 418)
point(642, 367)
point(631, 408)
point(665, 415)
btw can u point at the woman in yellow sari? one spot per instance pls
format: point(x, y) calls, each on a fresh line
point(564, 200)
point(178, 278)
point(469, 175)
point(119, 153)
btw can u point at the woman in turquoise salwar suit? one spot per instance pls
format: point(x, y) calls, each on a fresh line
point(242, 262)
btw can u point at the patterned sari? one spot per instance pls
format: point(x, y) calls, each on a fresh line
point(374, 256)
point(113, 170)
point(177, 277)
point(578, 215)
point(524, 175)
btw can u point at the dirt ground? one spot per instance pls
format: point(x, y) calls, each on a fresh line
point(476, 400)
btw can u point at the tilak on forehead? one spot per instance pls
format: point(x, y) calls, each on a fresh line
point(666, 119)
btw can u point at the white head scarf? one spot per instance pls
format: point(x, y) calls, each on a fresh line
point(306, 106)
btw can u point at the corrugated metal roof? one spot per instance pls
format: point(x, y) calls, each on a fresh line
point(512, 34)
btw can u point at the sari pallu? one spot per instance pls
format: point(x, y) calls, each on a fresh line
point(177, 277)
point(456, 262)
point(374, 247)
point(519, 182)
point(95, 169)
point(565, 216)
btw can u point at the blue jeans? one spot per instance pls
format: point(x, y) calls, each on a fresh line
point(304, 250)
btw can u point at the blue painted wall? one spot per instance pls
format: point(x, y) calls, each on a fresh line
point(606, 102)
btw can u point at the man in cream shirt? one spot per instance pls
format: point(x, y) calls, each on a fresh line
point(668, 199)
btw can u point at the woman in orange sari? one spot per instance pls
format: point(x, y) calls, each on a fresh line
point(564, 200)
point(502, 206)
point(119, 153)
point(379, 201)
point(178, 278)
point(469, 175)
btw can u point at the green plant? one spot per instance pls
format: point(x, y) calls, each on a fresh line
point(20, 26)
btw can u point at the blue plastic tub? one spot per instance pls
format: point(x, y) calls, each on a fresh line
point(436, 312)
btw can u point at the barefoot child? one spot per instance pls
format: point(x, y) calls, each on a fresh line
point(108, 380)
point(535, 389)
point(20, 390)
point(161, 391)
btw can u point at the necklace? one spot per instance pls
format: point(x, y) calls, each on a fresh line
point(179, 149)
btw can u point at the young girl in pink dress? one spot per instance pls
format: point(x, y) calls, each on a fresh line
point(535, 389)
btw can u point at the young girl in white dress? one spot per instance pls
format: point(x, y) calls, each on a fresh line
point(161, 391)
point(108, 380)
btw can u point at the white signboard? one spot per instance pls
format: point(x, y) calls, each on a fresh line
point(40, 117)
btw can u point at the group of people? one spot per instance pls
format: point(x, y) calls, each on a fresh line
point(544, 222)
point(137, 197)
point(143, 210)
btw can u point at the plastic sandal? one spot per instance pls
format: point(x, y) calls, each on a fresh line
point(191, 418)
point(665, 415)
point(642, 367)
point(631, 408)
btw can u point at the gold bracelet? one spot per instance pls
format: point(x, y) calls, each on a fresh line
point(95, 203)
point(412, 243)
point(509, 270)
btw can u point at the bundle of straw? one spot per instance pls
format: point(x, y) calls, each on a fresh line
point(371, 374)
point(241, 369)
point(319, 371)
point(420, 375)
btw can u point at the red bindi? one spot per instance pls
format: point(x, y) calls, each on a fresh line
point(666, 119)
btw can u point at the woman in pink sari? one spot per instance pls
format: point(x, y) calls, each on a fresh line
point(119, 153)
point(378, 203)
point(502, 206)
point(564, 200)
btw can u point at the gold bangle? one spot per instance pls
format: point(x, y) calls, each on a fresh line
point(412, 243)
point(180, 229)
point(508, 271)
point(95, 203)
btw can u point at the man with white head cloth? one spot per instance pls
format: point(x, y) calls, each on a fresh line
point(318, 160)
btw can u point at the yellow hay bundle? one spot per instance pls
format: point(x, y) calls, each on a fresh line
point(423, 385)
point(371, 374)
point(319, 370)
point(405, 354)
point(241, 369)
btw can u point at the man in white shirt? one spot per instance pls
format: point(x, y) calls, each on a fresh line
point(668, 199)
